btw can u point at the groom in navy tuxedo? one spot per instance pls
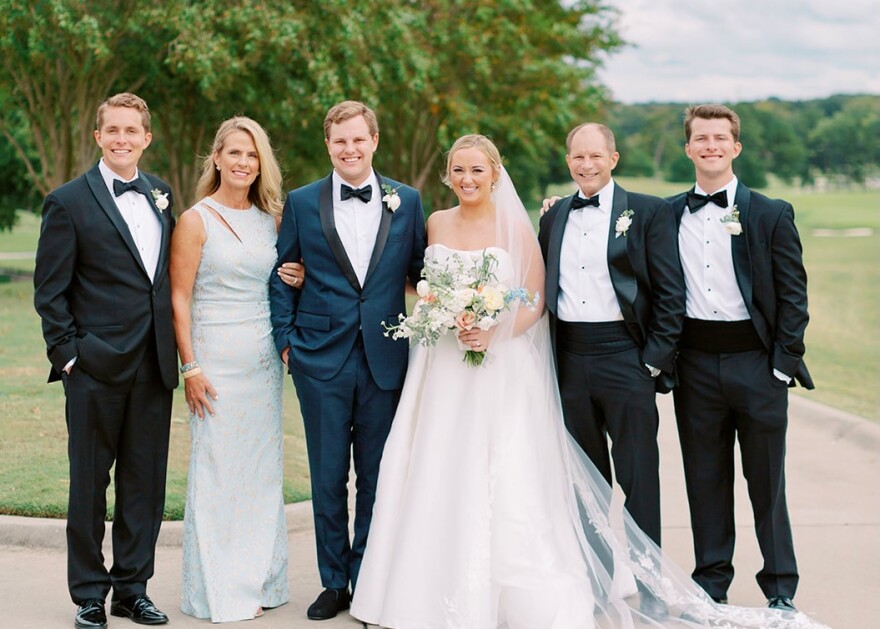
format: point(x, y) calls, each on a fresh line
point(741, 348)
point(361, 236)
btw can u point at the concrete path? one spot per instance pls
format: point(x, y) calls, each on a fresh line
point(834, 498)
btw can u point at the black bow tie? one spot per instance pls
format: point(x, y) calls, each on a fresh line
point(121, 187)
point(696, 201)
point(579, 202)
point(364, 194)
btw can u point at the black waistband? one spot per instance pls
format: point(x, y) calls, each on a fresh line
point(604, 337)
point(720, 337)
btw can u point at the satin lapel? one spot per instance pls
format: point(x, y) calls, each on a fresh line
point(619, 267)
point(108, 205)
point(739, 246)
point(679, 207)
point(166, 232)
point(328, 225)
point(554, 250)
point(382, 235)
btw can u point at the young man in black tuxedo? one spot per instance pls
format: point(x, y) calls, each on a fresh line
point(102, 292)
point(615, 293)
point(742, 347)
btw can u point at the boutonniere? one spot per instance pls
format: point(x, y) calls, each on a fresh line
point(623, 223)
point(391, 198)
point(160, 199)
point(731, 222)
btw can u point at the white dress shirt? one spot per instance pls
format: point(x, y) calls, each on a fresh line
point(138, 214)
point(706, 251)
point(357, 223)
point(585, 289)
point(707, 260)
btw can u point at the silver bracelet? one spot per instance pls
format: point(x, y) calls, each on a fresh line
point(188, 367)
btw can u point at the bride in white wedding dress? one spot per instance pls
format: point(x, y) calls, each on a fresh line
point(488, 515)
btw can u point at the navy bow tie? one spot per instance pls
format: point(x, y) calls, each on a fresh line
point(696, 201)
point(121, 187)
point(364, 194)
point(579, 202)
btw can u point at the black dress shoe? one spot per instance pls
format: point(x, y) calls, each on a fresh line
point(329, 603)
point(140, 609)
point(782, 603)
point(721, 600)
point(90, 614)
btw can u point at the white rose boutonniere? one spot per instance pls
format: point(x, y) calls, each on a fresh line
point(391, 198)
point(623, 223)
point(731, 222)
point(160, 198)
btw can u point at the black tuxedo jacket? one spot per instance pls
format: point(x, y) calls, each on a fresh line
point(91, 289)
point(645, 271)
point(769, 267)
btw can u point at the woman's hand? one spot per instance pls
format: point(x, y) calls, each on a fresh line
point(475, 338)
point(292, 274)
point(548, 203)
point(199, 393)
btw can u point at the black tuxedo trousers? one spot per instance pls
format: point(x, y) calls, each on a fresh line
point(612, 395)
point(126, 424)
point(721, 398)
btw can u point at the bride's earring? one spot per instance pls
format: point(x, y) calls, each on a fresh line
point(218, 166)
point(492, 187)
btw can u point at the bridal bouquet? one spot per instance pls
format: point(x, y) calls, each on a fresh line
point(461, 294)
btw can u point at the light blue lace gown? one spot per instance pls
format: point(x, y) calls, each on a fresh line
point(235, 534)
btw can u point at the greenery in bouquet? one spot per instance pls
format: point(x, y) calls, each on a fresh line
point(460, 293)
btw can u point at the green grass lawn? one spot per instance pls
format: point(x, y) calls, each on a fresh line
point(33, 450)
point(843, 353)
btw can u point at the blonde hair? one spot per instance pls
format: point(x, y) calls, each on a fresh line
point(473, 140)
point(346, 110)
point(711, 112)
point(601, 128)
point(124, 99)
point(265, 192)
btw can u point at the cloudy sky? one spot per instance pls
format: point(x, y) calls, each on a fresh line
point(737, 50)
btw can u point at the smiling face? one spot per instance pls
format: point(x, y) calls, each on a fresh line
point(351, 149)
point(122, 138)
point(590, 160)
point(712, 149)
point(239, 161)
point(471, 175)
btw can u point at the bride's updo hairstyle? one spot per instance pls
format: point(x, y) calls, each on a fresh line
point(473, 140)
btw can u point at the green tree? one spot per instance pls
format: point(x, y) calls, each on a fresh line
point(846, 143)
point(519, 70)
point(58, 59)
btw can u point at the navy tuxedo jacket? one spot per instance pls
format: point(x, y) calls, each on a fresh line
point(769, 267)
point(320, 322)
point(645, 271)
point(91, 289)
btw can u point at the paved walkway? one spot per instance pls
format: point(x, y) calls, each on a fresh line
point(834, 498)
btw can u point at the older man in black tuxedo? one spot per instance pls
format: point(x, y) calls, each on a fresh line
point(615, 294)
point(742, 347)
point(102, 292)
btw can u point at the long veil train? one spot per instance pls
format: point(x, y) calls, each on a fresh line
point(603, 547)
